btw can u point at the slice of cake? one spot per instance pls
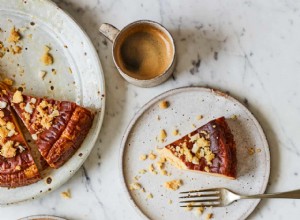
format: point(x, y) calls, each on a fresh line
point(58, 127)
point(17, 167)
point(209, 149)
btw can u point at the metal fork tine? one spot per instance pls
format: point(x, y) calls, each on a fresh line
point(203, 200)
point(200, 195)
point(202, 205)
point(202, 190)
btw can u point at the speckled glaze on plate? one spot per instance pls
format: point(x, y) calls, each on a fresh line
point(79, 76)
point(185, 105)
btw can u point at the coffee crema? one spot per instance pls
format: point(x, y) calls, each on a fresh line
point(143, 52)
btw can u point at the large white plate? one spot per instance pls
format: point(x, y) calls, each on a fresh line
point(185, 105)
point(41, 23)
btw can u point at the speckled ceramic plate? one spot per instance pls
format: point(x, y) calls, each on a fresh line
point(42, 217)
point(78, 77)
point(185, 105)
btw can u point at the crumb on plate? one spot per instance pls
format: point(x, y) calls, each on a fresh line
point(162, 136)
point(173, 184)
point(164, 104)
point(14, 36)
point(66, 194)
point(143, 157)
point(135, 186)
point(152, 156)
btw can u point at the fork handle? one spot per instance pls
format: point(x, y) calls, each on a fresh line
point(295, 194)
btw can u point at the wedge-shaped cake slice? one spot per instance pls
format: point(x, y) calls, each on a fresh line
point(58, 127)
point(210, 149)
point(17, 167)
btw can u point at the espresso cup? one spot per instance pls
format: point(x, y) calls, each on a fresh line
point(143, 52)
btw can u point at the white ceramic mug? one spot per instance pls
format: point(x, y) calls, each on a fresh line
point(114, 35)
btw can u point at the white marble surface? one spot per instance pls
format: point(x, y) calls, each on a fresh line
point(249, 48)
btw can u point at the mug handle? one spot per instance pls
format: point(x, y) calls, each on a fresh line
point(109, 31)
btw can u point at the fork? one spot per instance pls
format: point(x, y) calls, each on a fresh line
point(219, 197)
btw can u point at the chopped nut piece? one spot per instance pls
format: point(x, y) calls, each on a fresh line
point(152, 156)
point(3, 104)
point(143, 157)
point(14, 36)
point(164, 104)
point(1, 114)
point(209, 216)
point(28, 108)
point(33, 100)
point(151, 168)
point(189, 207)
point(143, 171)
point(10, 126)
point(251, 151)
point(66, 194)
point(17, 97)
point(233, 117)
point(18, 167)
point(135, 186)
point(150, 196)
point(162, 136)
point(175, 132)
point(173, 184)
point(8, 81)
point(21, 148)
point(47, 58)
point(199, 117)
point(200, 210)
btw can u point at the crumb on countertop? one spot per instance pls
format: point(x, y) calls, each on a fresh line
point(173, 184)
point(66, 194)
point(164, 104)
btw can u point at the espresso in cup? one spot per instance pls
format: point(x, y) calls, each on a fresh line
point(143, 52)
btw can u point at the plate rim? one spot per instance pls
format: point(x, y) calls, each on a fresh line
point(100, 113)
point(139, 113)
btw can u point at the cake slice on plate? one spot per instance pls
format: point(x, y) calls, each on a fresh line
point(17, 167)
point(58, 127)
point(209, 149)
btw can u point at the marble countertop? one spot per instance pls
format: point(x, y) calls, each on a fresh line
point(248, 48)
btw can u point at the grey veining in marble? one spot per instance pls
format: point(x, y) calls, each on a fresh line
point(248, 48)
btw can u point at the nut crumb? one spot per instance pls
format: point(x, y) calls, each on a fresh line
point(170, 201)
point(150, 196)
point(164, 104)
point(233, 117)
point(152, 156)
point(175, 132)
point(162, 136)
point(135, 186)
point(199, 117)
point(143, 157)
point(200, 210)
point(209, 216)
point(66, 194)
point(142, 171)
point(47, 58)
point(14, 36)
point(173, 184)
point(251, 150)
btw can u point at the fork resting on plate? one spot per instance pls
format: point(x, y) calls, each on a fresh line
point(219, 197)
